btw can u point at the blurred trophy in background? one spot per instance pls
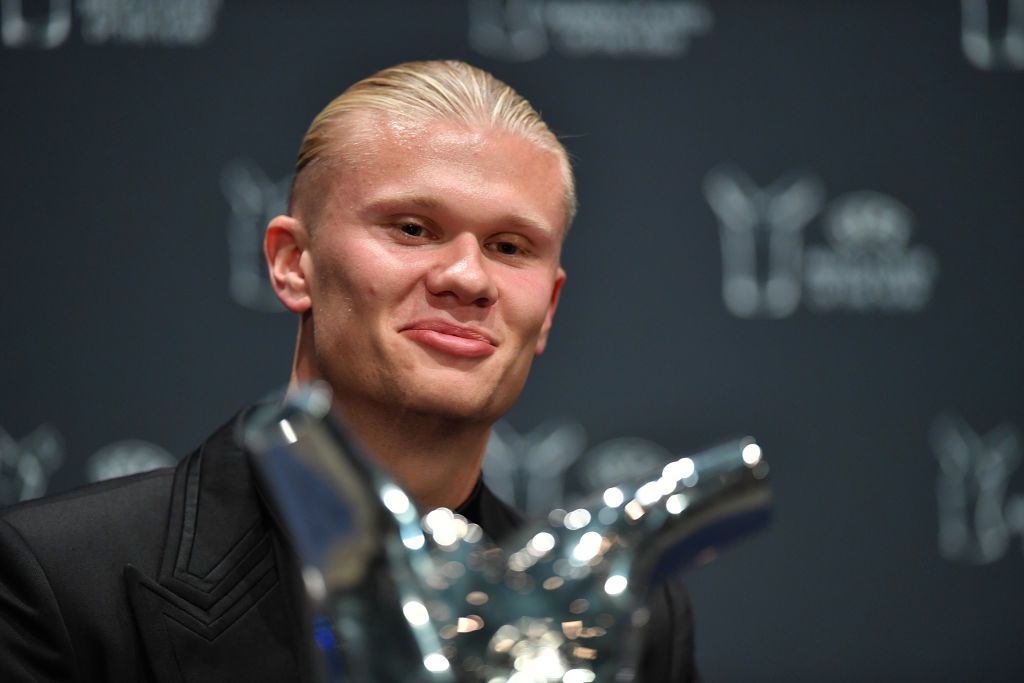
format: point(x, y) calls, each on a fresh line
point(400, 597)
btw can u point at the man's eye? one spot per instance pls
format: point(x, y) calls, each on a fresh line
point(412, 230)
point(507, 248)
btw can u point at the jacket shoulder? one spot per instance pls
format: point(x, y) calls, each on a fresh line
point(63, 608)
point(128, 512)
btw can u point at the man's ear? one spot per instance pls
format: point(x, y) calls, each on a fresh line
point(284, 244)
point(542, 339)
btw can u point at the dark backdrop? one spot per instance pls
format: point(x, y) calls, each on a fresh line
point(799, 220)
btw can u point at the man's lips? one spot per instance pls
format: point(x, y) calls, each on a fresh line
point(449, 338)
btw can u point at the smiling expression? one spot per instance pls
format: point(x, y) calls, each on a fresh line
point(433, 267)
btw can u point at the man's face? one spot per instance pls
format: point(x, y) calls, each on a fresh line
point(433, 267)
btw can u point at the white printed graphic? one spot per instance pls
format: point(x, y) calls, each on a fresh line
point(521, 30)
point(976, 520)
point(986, 46)
point(866, 264)
point(512, 30)
point(44, 32)
point(27, 464)
point(869, 264)
point(143, 22)
point(254, 200)
point(134, 22)
point(547, 468)
point(528, 471)
point(761, 233)
point(619, 460)
point(122, 458)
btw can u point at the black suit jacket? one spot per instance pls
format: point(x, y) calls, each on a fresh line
point(183, 575)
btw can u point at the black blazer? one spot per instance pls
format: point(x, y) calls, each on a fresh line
point(183, 575)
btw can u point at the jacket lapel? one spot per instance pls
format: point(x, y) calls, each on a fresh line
point(218, 608)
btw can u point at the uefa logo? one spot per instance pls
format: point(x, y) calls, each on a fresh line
point(254, 199)
point(123, 458)
point(866, 264)
point(178, 23)
point(977, 518)
point(523, 30)
point(26, 464)
point(991, 39)
point(762, 241)
point(551, 466)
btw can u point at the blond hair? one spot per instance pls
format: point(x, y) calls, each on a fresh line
point(426, 91)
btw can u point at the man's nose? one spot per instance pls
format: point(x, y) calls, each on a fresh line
point(462, 273)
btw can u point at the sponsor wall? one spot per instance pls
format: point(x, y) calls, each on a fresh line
point(802, 221)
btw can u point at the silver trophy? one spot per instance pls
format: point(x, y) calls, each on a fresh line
point(402, 597)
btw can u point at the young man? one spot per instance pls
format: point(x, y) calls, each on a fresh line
point(421, 255)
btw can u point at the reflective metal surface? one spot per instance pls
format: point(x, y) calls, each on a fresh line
point(405, 598)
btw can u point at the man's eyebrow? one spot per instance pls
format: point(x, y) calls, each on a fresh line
point(400, 204)
point(519, 222)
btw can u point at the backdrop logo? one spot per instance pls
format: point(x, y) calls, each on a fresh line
point(27, 464)
point(546, 468)
point(122, 458)
point(521, 30)
point(976, 520)
point(528, 470)
point(868, 263)
point(254, 199)
point(136, 22)
point(987, 43)
point(767, 269)
point(45, 32)
point(761, 232)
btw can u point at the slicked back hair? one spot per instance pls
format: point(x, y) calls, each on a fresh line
point(421, 92)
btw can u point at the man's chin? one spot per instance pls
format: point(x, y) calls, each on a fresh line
point(446, 395)
point(468, 396)
point(451, 406)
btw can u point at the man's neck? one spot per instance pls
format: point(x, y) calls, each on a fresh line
point(436, 461)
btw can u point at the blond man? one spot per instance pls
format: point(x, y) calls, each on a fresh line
point(421, 256)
